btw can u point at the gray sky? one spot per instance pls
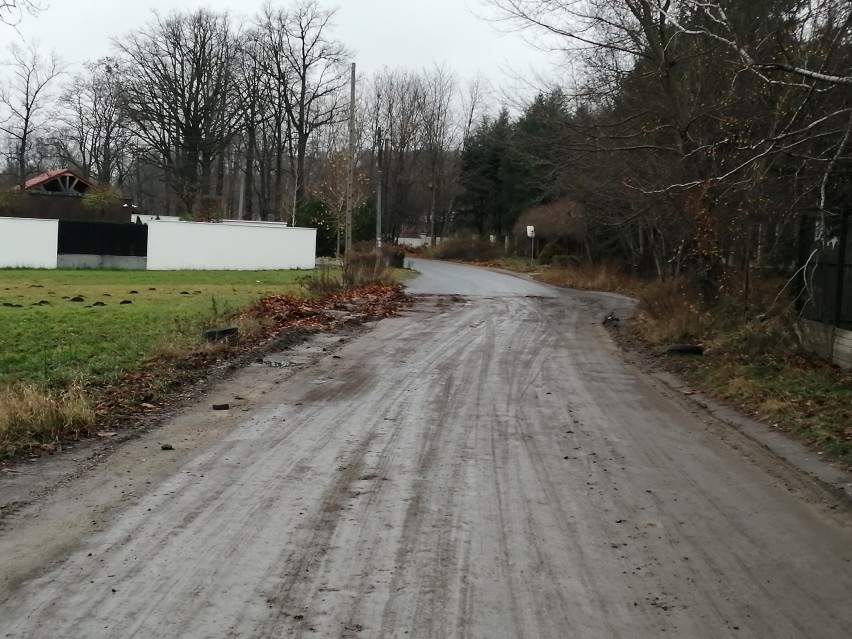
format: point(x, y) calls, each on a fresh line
point(394, 33)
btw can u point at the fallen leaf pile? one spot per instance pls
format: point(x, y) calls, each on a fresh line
point(373, 301)
point(157, 384)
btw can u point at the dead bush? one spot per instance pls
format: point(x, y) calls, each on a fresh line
point(366, 265)
point(362, 265)
point(466, 250)
point(670, 312)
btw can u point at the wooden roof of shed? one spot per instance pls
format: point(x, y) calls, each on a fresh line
point(42, 181)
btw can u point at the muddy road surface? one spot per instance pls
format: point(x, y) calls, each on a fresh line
point(484, 466)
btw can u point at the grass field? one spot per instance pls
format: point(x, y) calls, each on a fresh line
point(46, 338)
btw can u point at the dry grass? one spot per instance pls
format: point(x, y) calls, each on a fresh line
point(669, 312)
point(34, 416)
point(772, 408)
point(594, 277)
point(364, 267)
point(361, 267)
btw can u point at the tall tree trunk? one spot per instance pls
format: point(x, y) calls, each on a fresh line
point(248, 184)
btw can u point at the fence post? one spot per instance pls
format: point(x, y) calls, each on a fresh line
point(841, 268)
point(800, 275)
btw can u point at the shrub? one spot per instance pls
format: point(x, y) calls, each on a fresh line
point(466, 250)
point(366, 267)
point(361, 266)
point(101, 196)
point(546, 255)
point(565, 261)
point(397, 257)
point(323, 281)
point(670, 312)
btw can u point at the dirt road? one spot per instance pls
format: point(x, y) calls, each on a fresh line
point(484, 466)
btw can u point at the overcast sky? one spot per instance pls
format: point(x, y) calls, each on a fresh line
point(395, 33)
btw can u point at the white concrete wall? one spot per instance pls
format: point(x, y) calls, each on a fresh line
point(145, 217)
point(82, 260)
point(829, 342)
point(229, 245)
point(842, 348)
point(28, 243)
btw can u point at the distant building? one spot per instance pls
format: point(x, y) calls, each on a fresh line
point(58, 195)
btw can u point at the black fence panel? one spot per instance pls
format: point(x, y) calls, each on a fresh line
point(103, 238)
point(824, 279)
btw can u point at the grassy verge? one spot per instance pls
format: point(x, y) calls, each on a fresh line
point(47, 338)
point(753, 360)
point(56, 352)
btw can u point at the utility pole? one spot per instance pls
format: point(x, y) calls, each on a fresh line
point(349, 182)
point(379, 144)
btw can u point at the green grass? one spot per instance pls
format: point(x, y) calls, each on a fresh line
point(63, 341)
point(803, 396)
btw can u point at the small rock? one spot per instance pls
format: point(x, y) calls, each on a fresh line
point(184, 292)
point(98, 304)
point(133, 292)
point(221, 406)
point(125, 302)
point(77, 298)
point(167, 447)
point(610, 319)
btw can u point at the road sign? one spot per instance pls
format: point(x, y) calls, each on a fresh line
point(530, 231)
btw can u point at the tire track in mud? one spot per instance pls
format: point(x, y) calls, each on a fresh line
point(621, 452)
point(433, 489)
point(477, 469)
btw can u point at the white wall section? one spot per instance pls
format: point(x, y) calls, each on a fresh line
point(28, 243)
point(229, 245)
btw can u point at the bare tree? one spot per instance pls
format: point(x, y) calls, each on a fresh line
point(178, 95)
point(93, 134)
point(253, 95)
point(810, 62)
point(398, 100)
point(25, 100)
point(311, 68)
point(440, 131)
point(11, 11)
